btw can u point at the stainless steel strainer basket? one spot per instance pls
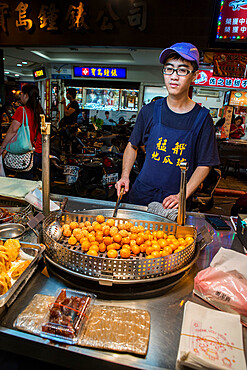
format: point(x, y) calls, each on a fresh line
point(117, 271)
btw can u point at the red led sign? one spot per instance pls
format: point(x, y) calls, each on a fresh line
point(232, 21)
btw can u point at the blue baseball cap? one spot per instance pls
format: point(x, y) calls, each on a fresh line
point(186, 50)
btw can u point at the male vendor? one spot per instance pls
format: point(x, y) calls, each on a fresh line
point(173, 129)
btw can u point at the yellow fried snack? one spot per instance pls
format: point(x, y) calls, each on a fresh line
point(74, 225)
point(19, 269)
point(65, 226)
point(5, 283)
point(5, 261)
point(72, 240)
point(2, 267)
point(78, 234)
point(67, 232)
point(13, 246)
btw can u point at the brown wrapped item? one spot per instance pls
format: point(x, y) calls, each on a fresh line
point(117, 329)
point(32, 318)
point(110, 328)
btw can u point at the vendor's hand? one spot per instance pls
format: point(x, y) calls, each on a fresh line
point(171, 202)
point(124, 181)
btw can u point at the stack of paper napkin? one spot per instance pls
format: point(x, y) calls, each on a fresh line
point(210, 339)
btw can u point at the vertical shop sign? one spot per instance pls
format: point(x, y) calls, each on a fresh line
point(47, 97)
point(225, 131)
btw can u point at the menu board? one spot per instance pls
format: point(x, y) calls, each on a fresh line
point(238, 98)
point(230, 65)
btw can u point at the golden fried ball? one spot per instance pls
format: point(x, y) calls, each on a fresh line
point(106, 230)
point(67, 232)
point(113, 230)
point(121, 227)
point(124, 233)
point(74, 225)
point(134, 230)
point(65, 226)
point(85, 245)
point(72, 240)
point(110, 222)
point(100, 219)
point(78, 234)
point(128, 225)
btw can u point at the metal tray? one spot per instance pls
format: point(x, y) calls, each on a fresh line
point(127, 214)
point(34, 250)
point(20, 213)
point(11, 230)
point(120, 271)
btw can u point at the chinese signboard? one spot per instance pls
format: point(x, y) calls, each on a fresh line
point(232, 21)
point(99, 72)
point(230, 65)
point(49, 20)
point(103, 23)
point(206, 78)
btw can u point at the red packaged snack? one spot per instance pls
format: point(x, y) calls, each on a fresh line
point(67, 315)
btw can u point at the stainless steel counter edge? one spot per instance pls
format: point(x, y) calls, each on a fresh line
point(166, 311)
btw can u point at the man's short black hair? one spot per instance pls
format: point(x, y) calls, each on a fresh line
point(177, 56)
point(106, 112)
point(72, 92)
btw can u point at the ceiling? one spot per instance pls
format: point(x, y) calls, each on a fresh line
point(34, 57)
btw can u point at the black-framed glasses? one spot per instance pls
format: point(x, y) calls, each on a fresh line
point(167, 70)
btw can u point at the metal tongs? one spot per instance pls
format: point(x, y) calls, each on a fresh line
point(182, 194)
point(118, 201)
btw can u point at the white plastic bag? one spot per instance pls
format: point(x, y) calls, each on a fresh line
point(2, 173)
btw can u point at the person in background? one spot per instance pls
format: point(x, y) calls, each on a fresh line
point(82, 119)
point(71, 111)
point(236, 129)
point(30, 102)
point(107, 120)
point(173, 130)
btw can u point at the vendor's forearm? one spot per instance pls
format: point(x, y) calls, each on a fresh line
point(196, 179)
point(129, 158)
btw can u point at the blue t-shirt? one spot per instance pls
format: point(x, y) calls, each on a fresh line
point(206, 146)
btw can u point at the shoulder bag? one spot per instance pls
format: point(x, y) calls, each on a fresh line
point(19, 156)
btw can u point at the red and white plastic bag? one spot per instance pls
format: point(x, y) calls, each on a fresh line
point(224, 283)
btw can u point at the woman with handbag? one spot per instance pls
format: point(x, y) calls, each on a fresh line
point(23, 138)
